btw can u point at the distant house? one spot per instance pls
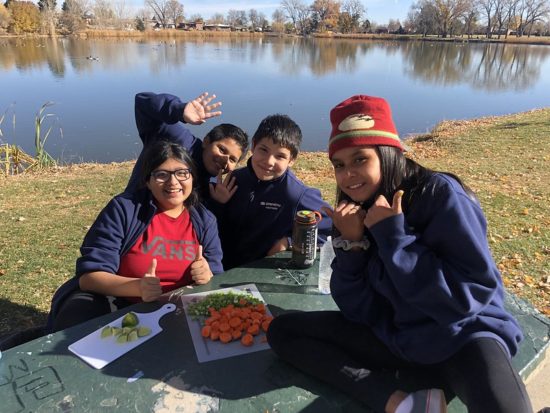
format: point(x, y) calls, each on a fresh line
point(191, 25)
point(382, 30)
point(217, 27)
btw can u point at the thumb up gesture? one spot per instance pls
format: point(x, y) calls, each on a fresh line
point(200, 270)
point(381, 209)
point(150, 284)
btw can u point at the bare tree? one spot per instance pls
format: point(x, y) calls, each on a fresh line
point(254, 19)
point(352, 12)
point(278, 18)
point(120, 8)
point(394, 25)
point(449, 12)
point(487, 8)
point(160, 10)
point(530, 12)
point(103, 13)
point(299, 13)
point(71, 15)
point(423, 17)
point(47, 15)
point(174, 12)
point(196, 18)
point(217, 18)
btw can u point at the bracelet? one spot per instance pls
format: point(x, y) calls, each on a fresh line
point(347, 245)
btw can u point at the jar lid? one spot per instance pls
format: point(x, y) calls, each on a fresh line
point(305, 216)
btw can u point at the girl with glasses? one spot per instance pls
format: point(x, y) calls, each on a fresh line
point(144, 243)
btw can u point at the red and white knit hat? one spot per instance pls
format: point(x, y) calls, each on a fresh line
point(362, 120)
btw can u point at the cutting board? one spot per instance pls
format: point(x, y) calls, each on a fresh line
point(98, 352)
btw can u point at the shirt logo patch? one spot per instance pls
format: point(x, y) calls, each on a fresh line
point(271, 205)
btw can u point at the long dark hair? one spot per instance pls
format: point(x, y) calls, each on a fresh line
point(400, 172)
point(159, 152)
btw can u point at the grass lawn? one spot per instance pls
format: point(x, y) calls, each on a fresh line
point(505, 160)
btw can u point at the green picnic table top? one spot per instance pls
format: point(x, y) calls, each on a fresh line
point(164, 375)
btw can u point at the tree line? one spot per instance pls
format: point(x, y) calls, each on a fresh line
point(426, 17)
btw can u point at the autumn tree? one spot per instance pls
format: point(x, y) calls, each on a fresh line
point(352, 12)
point(25, 17)
point(5, 17)
point(324, 14)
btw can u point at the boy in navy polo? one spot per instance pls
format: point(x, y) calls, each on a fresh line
point(257, 208)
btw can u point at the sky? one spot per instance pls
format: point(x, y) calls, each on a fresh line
point(379, 11)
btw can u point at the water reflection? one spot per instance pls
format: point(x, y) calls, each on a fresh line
point(484, 66)
point(489, 67)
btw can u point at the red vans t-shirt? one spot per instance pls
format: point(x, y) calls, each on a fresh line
point(173, 242)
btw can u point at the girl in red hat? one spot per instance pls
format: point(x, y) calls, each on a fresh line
point(421, 302)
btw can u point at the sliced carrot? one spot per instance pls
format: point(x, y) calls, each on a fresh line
point(236, 334)
point(256, 314)
point(224, 327)
point(214, 335)
point(254, 329)
point(205, 332)
point(265, 325)
point(235, 321)
point(225, 337)
point(247, 340)
point(260, 308)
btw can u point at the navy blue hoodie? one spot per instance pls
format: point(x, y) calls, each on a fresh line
point(262, 212)
point(117, 228)
point(428, 284)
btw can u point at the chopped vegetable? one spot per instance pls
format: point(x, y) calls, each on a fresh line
point(241, 318)
point(217, 301)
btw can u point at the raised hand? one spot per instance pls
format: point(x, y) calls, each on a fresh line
point(224, 188)
point(200, 270)
point(199, 110)
point(348, 218)
point(150, 284)
point(381, 209)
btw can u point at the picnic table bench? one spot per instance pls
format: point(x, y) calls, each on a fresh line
point(164, 375)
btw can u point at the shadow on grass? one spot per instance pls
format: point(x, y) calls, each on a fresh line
point(16, 317)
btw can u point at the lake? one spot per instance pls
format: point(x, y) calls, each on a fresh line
point(92, 84)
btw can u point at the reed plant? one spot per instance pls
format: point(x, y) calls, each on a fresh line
point(13, 159)
point(43, 158)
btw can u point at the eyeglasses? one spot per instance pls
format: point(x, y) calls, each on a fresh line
point(162, 176)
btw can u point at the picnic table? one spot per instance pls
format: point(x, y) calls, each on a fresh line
point(164, 374)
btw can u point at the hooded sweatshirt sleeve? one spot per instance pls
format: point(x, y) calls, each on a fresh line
point(102, 246)
point(444, 269)
point(159, 116)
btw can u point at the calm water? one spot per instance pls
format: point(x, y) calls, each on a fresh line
point(93, 99)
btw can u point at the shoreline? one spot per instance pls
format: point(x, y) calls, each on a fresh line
point(176, 33)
